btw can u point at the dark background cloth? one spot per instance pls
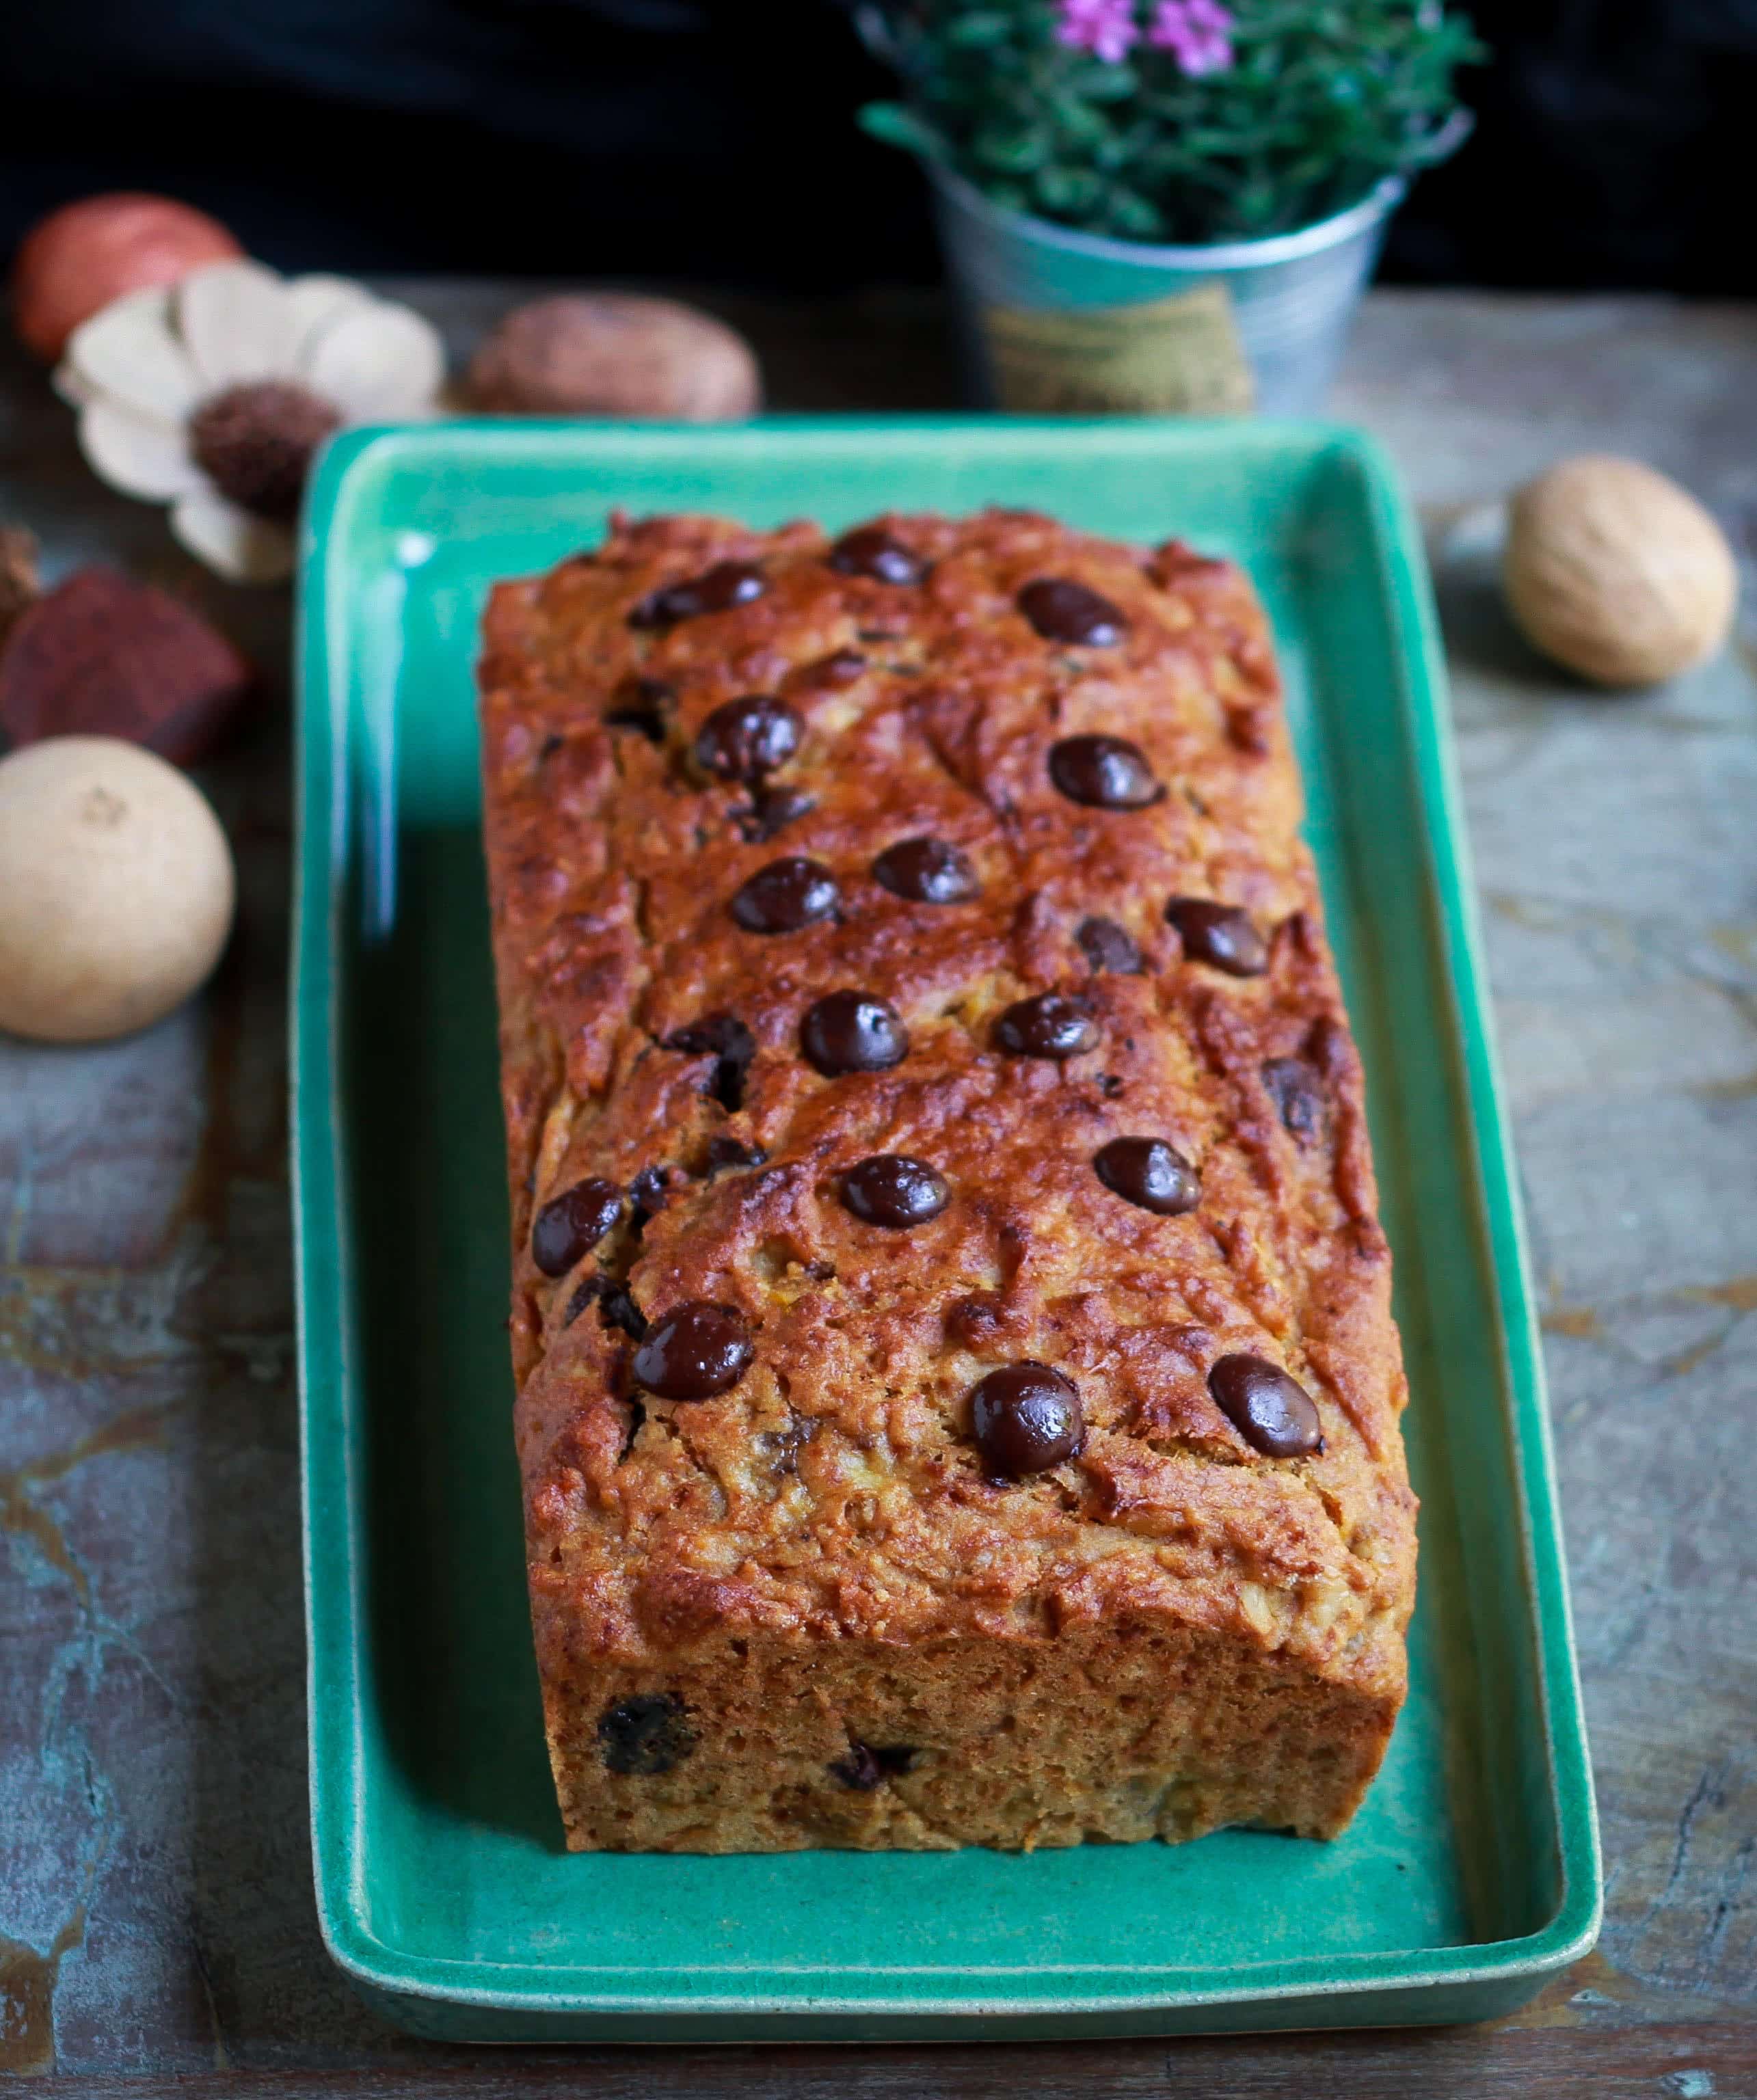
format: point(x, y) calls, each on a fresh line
point(714, 139)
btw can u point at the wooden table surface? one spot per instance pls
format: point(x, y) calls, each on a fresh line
point(156, 1915)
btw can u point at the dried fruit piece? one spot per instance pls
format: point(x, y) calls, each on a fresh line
point(101, 655)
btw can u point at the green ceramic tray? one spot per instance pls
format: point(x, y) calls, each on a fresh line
point(1472, 1872)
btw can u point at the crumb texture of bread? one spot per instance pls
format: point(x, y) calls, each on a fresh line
point(788, 1590)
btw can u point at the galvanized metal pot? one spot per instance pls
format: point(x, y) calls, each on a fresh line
point(1060, 322)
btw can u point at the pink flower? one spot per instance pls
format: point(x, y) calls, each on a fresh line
point(1197, 33)
point(1106, 28)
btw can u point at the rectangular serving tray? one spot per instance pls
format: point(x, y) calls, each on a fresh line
point(1472, 1872)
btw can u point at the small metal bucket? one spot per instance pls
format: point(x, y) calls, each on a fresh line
point(1057, 322)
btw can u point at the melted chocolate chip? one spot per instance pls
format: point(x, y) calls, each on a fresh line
point(868, 1765)
point(725, 1037)
point(571, 1224)
point(786, 896)
point(1063, 611)
point(891, 1190)
point(744, 739)
point(590, 1287)
point(771, 811)
point(859, 1769)
point(1108, 946)
point(1298, 1092)
point(785, 1444)
point(1103, 772)
point(694, 1352)
point(641, 705)
point(649, 1192)
point(1273, 1414)
point(717, 590)
point(723, 1154)
point(841, 667)
point(615, 1307)
point(1025, 1417)
point(1149, 1171)
point(1051, 1024)
point(869, 550)
point(851, 1032)
point(641, 1738)
point(1218, 934)
point(927, 871)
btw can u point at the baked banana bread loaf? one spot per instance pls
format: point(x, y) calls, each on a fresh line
point(958, 1398)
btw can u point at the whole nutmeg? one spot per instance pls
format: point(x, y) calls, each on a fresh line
point(1617, 572)
point(615, 354)
point(116, 888)
point(81, 257)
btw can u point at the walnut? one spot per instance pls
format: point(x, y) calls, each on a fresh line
point(1617, 572)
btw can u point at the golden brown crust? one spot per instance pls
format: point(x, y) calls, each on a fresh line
point(832, 1501)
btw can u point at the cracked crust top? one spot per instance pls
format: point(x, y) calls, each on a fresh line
point(652, 1041)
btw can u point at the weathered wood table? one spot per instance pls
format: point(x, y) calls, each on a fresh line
point(155, 1890)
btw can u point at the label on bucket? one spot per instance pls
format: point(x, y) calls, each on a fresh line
point(1179, 356)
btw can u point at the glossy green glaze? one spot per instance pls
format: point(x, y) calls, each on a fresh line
point(1472, 1872)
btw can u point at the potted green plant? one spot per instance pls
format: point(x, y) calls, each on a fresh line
point(1166, 205)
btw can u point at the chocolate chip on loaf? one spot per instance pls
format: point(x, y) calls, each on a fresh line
point(641, 1738)
point(643, 705)
point(1063, 611)
point(1273, 1413)
point(744, 739)
point(1297, 1090)
point(1103, 772)
point(724, 1154)
point(869, 550)
point(868, 1764)
point(717, 590)
point(894, 1190)
point(1025, 1417)
point(1109, 948)
point(694, 1351)
point(1150, 1173)
point(852, 1031)
point(571, 1224)
point(786, 896)
point(649, 1193)
point(725, 1039)
point(841, 667)
point(1220, 935)
point(771, 811)
point(927, 871)
point(1051, 1024)
point(615, 1307)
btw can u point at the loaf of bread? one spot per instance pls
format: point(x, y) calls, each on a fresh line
point(957, 1395)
